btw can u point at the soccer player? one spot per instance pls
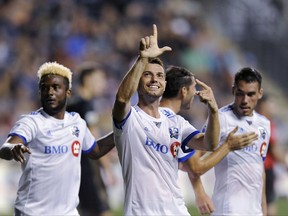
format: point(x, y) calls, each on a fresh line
point(239, 187)
point(178, 95)
point(148, 141)
point(49, 143)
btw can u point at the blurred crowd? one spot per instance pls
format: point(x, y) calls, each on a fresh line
point(107, 32)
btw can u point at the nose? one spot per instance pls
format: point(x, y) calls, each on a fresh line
point(154, 78)
point(50, 91)
point(245, 99)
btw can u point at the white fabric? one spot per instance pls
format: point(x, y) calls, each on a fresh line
point(50, 180)
point(148, 149)
point(238, 186)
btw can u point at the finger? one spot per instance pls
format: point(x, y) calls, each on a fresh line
point(166, 48)
point(155, 32)
point(142, 45)
point(18, 155)
point(202, 84)
point(234, 131)
point(147, 42)
point(25, 149)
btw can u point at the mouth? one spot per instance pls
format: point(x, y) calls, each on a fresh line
point(50, 101)
point(244, 108)
point(154, 87)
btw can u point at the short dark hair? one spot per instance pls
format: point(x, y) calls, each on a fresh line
point(86, 69)
point(248, 75)
point(176, 78)
point(156, 61)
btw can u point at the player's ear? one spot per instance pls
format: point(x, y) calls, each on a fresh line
point(260, 93)
point(183, 91)
point(69, 93)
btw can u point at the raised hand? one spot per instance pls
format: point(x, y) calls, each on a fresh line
point(206, 96)
point(236, 142)
point(149, 45)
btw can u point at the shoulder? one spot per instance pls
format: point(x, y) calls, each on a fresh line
point(167, 112)
point(262, 119)
point(226, 109)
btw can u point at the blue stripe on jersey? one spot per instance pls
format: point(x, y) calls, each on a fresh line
point(183, 159)
point(120, 125)
point(20, 136)
point(186, 140)
point(90, 149)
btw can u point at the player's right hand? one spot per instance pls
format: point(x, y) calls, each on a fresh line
point(18, 151)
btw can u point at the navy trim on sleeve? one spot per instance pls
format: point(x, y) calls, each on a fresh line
point(186, 140)
point(120, 125)
point(183, 159)
point(90, 149)
point(20, 136)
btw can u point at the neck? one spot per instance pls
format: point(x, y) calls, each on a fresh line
point(151, 108)
point(171, 103)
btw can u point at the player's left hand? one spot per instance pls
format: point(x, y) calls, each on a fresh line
point(149, 45)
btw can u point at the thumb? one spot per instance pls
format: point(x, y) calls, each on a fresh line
point(166, 48)
point(233, 131)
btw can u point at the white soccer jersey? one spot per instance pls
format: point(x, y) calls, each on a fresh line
point(238, 186)
point(147, 149)
point(50, 180)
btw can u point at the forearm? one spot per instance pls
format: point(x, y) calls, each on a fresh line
point(197, 185)
point(212, 132)
point(104, 145)
point(131, 80)
point(127, 88)
point(208, 161)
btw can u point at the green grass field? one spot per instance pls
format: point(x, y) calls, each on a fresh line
point(282, 206)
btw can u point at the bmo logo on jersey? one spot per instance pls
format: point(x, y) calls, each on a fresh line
point(60, 149)
point(156, 146)
point(76, 148)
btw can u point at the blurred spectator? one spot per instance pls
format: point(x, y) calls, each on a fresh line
point(90, 103)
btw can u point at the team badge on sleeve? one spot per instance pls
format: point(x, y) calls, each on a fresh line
point(174, 132)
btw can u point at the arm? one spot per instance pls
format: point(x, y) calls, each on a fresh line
point(148, 49)
point(264, 202)
point(212, 132)
point(210, 139)
point(14, 148)
point(203, 201)
point(233, 142)
point(104, 145)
